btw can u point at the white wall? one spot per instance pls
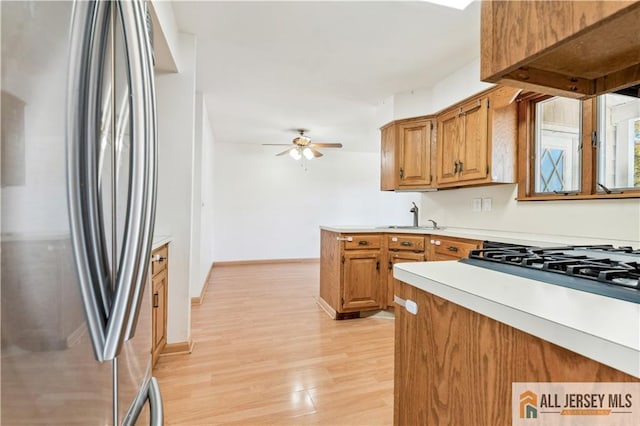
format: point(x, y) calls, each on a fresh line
point(176, 121)
point(268, 207)
point(196, 194)
point(206, 198)
point(201, 250)
point(609, 219)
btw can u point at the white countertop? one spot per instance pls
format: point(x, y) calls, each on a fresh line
point(160, 240)
point(487, 234)
point(598, 327)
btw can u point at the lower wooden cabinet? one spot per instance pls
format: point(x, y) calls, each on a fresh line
point(350, 273)
point(360, 280)
point(401, 248)
point(159, 272)
point(450, 248)
point(454, 366)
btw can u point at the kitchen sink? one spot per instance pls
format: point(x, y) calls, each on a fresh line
point(409, 227)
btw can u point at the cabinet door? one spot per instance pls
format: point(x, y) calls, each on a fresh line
point(472, 158)
point(361, 280)
point(448, 140)
point(399, 257)
point(159, 316)
point(388, 159)
point(415, 153)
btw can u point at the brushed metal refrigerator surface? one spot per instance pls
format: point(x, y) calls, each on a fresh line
point(49, 371)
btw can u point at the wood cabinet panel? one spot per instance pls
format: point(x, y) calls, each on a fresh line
point(394, 257)
point(576, 49)
point(159, 314)
point(405, 242)
point(449, 248)
point(406, 154)
point(159, 287)
point(456, 366)
point(472, 158)
point(477, 140)
point(415, 153)
point(159, 259)
point(364, 241)
point(361, 280)
point(388, 158)
point(350, 273)
point(447, 147)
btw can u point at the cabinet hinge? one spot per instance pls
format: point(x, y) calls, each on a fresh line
point(431, 123)
point(377, 265)
point(342, 259)
point(342, 301)
point(401, 173)
point(430, 178)
point(488, 102)
point(487, 169)
point(594, 140)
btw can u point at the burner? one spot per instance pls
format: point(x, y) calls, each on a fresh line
point(601, 269)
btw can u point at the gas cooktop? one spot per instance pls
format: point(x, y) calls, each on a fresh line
point(601, 269)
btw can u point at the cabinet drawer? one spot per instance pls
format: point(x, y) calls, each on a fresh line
point(405, 242)
point(159, 259)
point(451, 249)
point(365, 241)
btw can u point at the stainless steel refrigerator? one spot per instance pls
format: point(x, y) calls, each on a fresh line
point(78, 175)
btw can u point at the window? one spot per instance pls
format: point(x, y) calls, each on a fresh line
point(618, 142)
point(575, 149)
point(557, 145)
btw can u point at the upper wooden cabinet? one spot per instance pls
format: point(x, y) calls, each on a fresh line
point(476, 140)
point(567, 48)
point(406, 161)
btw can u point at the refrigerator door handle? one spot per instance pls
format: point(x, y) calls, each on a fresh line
point(136, 246)
point(87, 42)
point(155, 403)
point(150, 393)
point(143, 23)
point(110, 302)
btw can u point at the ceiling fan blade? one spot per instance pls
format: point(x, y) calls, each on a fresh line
point(276, 144)
point(286, 151)
point(326, 145)
point(315, 152)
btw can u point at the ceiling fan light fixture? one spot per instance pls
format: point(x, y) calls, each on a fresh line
point(308, 154)
point(295, 153)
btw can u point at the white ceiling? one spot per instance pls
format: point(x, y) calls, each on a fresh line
point(266, 68)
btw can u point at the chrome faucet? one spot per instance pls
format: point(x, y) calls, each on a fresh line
point(435, 224)
point(414, 210)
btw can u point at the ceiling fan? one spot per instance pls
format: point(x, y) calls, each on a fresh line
point(302, 146)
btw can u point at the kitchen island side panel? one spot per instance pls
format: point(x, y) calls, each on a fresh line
point(330, 267)
point(464, 363)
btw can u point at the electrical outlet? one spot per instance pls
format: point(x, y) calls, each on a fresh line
point(477, 204)
point(486, 204)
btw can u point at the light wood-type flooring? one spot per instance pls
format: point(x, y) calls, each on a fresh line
point(266, 354)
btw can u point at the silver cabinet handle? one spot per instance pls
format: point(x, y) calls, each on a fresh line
point(88, 34)
point(155, 403)
point(408, 304)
